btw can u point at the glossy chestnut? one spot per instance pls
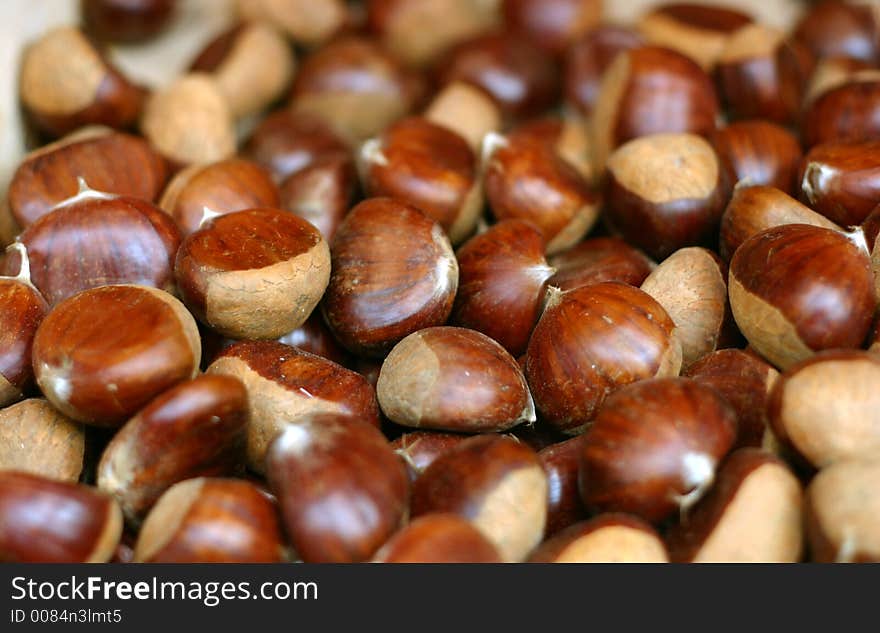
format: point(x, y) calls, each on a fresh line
point(589, 57)
point(438, 538)
point(465, 110)
point(599, 259)
point(850, 111)
point(419, 449)
point(127, 20)
point(834, 28)
point(758, 152)
point(841, 180)
point(321, 193)
point(552, 24)
point(561, 462)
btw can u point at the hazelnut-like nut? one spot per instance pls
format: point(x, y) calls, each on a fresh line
point(104, 353)
point(561, 462)
point(599, 259)
point(321, 193)
point(127, 20)
point(832, 28)
point(608, 538)
point(438, 538)
point(308, 22)
point(419, 449)
point(465, 110)
point(841, 180)
point(589, 57)
point(552, 24)
point(758, 152)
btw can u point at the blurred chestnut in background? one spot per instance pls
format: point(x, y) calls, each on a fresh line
point(307, 22)
point(552, 24)
point(833, 27)
point(126, 20)
point(589, 57)
point(608, 538)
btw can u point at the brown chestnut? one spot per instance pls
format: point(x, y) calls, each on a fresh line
point(599, 259)
point(552, 24)
point(438, 538)
point(307, 22)
point(321, 193)
point(832, 27)
point(561, 462)
point(567, 135)
point(848, 112)
point(841, 180)
point(608, 538)
point(127, 20)
point(419, 449)
point(466, 110)
point(758, 152)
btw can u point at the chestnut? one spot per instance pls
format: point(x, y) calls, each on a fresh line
point(465, 110)
point(843, 512)
point(419, 449)
point(651, 90)
point(850, 111)
point(453, 379)
point(798, 289)
point(654, 447)
point(824, 406)
point(494, 482)
point(109, 161)
point(378, 294)
point(753, 514)
point(870, 228)
point(834, 28)
point(195, 429)
point(841, 180)
point(608, 538)
point(314, 337)
point(252, 64)
point(567, 135)
point(342, 490)
point(830, 72)
point(284, 384)
point(665, 191)
point(430, 167)
point(66, 83)
point(37, 439)
point(599, 259)
point(127, 20)
point(307, 22)
point(561, 462)
point(438, 538)
point(321, 193)
point(104, 353)
point(758, 152)
point(502, 281)
point(552, 24)
point(591, 341)
point(211, 520)
point(47, 521)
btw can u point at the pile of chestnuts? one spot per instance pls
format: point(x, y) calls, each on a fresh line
point(446, 281)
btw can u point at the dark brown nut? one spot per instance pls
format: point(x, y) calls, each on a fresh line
point(285, 384)
point(95, 239)
point(608, 538)
point(65, 83)
point(497, 484)
point(651, 90)
point(419, 449)
point(37, 439)
point(48, 521)
point(798, 289)
point(466, 110)
point(825, 407)
point(189, 121)
point(567, 135)
point(529, 180)
point(103, 354)
point(755, 209)
point(356, 87)
point(195, 429)
point(758, 153)
point(208, 520)
point(561, 462)
point(700, 31)
point(832, 28)
point(394, 273)
point(690, 286)
point(843, 512)
point(502, 282)
point(552, 24)
point(342, 490)
point(753, 514)
point(429, 167)
point(314, 337)
point(591, 341)
point(453, 379)
point(254, 274)
point(599, 259)
point(109, 161)
point(321, 193)
point(307, 22)
point(589, 57)
point(841, 180)
point(847, 112)
point(438, 538)
point(745, 381)
point(252, 64)
point(654, 448)
point(520, 77)
point(223, 187)
point(665, 191)
point(126, 20)
point(830, 72)
point(871, 230)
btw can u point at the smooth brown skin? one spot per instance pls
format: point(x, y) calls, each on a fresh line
point(758, 152)
point(108, 161)
point(587, 59)
point(745, 382)
point(841, 180)
point(126, 20)
point(48, 521)
point(846, 112)
point(223, 187)
point(286, 142)
point(114, 336)
point(565, 134)
point(342, 490)
point(634, 457)
point(314, 337)
point(438, 538)
point(550, 550)
point(561, 463)
point(36, 438)
point(594, 340)
point(453, 379)
point(419, 449)
point(502, 280)
point(552, 24)
point(686, 539)
point(321, 192)
point(90, 242)
point(599, 259)
point(818, 279)
point(229, 521)
point(425, 165)
point(833, 28)
point(195, 429)
point(518, 75)
point(394, 273)
point(22, 309)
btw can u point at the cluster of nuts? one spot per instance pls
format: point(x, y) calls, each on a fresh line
point(486, 281)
